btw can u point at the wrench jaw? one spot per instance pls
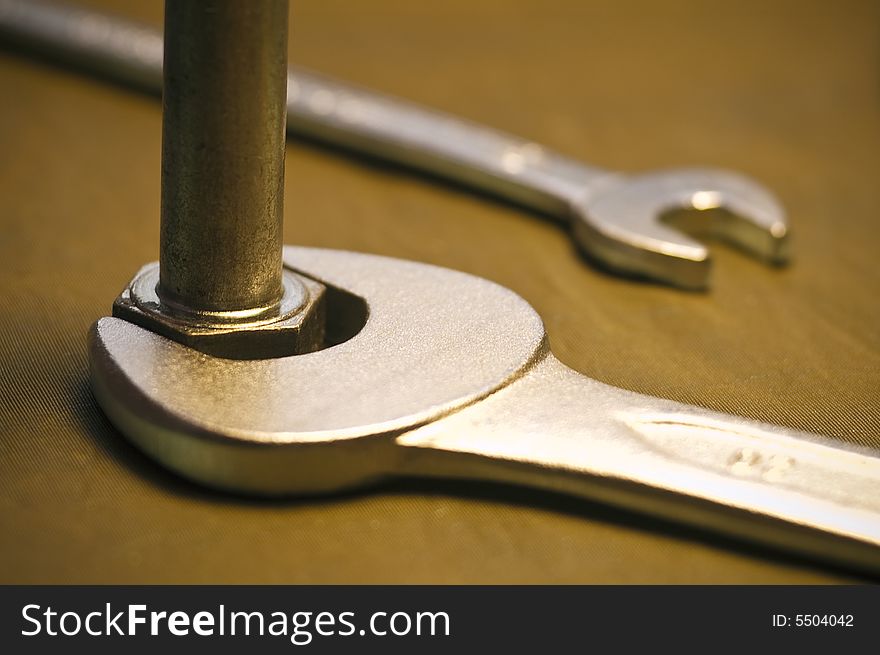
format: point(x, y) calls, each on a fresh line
point(636, 225)
point(223, 460)
point(671, 259)
point(433, 341)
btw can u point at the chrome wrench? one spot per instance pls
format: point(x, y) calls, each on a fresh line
point(449, 375)
point(616, 219)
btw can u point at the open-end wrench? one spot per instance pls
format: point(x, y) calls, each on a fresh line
point(616, 219)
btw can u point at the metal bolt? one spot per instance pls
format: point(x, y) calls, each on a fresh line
point(223, 171)
point(220, 286)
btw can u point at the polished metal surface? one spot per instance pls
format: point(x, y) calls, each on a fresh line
point(627, 223)
point(434, 341)
point(451, 376)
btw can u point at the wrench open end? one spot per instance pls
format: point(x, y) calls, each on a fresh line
point(637, 224)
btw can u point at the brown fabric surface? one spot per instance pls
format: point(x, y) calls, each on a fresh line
point(785, 91)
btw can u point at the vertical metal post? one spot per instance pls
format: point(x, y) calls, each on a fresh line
point(223, 139)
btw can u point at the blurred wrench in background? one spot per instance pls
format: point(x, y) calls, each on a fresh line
point(617, 220)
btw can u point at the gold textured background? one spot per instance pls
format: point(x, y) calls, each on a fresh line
point(785, 91)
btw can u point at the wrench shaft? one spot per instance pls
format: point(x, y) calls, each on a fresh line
point(559, 430)
point(479, 157)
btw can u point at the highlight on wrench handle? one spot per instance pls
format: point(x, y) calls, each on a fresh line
point(562, 431)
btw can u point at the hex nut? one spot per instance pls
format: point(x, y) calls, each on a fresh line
point(297, 327)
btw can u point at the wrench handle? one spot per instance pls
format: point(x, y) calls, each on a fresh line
point(557, 429)
point(109, 46)
point(478, 157)
point(320, 108)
